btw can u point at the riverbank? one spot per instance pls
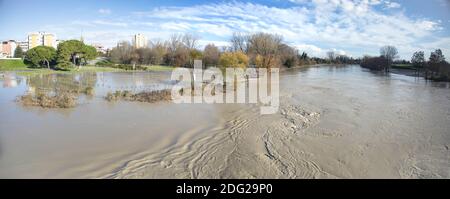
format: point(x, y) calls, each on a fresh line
point(284, 68)
point(414, 73)
point(20, 68)
point(26, 71)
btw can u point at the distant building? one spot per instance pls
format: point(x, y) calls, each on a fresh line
point(123, 44)
point(50, 40)
point(8, 48)
point(41, 39)
point(34, 40)
point(100, 48)
point(23, 45)
point(140, 41)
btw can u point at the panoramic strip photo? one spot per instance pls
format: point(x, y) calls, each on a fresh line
point(243, 89)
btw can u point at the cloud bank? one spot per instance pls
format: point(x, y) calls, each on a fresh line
point(354, 27)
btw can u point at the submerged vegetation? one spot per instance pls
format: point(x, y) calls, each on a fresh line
point(46, 100)
point(64, 99)
point(57, 90)
point(145, 96)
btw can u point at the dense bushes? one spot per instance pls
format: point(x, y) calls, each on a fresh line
point(437, 68)
point(41, 56)
point(375, 63)
point(233, 59)
point(73, 52)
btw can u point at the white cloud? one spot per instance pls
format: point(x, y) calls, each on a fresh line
point(219, 44)
point(110, 23)
point(312, 50)
point(355, 27)
point(176, 26)
point(104, 11)
point(428, 25)
point(392, 5)
point(83, 23)
point(315, 51)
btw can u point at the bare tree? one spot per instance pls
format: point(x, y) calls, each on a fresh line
point(331, 56)
point(190, 41)
point(288, 55)
point(239, 42)
point(178, 53)
point(390, 53)
point(266, 48)
point(158, 50)
point(175, 42)
point(211, 55)
point(437, 57)
point(418, 61)
point(122, 53)
point(437, 62)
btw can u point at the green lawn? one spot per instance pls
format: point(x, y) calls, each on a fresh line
point(159, 68)
point(12, 64)
point(95, 69)
point(22, 69)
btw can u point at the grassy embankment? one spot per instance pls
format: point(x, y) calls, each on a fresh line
point(21, 68)
point(12, 65)
point(130, 67)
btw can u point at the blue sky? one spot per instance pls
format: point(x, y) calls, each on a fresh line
point(352, 27)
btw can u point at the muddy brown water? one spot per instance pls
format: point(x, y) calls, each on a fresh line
point(334, 122)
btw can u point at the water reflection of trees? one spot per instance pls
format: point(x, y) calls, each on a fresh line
point(62, 83)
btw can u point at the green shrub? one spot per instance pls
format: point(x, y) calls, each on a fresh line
point(65, 66)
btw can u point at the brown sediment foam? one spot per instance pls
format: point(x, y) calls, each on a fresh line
point(242, 143)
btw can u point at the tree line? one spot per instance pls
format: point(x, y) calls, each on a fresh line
point(68, 55)
point(261, 50)
point(436, 67)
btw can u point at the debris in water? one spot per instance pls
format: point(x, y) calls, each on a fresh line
point(151, 96)
point(44, 100)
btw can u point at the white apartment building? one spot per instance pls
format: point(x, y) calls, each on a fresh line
point(23, 45)
point(140, 41)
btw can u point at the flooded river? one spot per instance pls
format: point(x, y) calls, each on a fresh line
point(334, 122)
